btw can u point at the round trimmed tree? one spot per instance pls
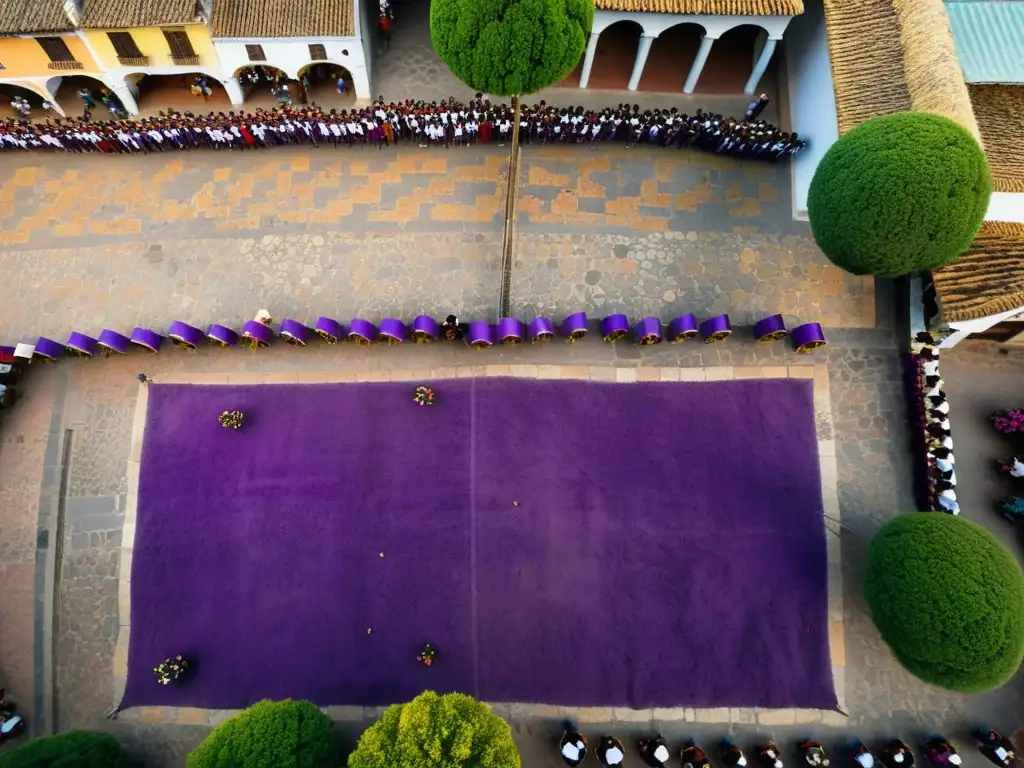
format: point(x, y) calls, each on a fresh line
point(510, 47)
point(453, 730)
point(71, 749)
point(294, 733)
point(899, 194)
point(948, 599)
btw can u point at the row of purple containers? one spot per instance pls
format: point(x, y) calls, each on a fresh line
point(479, 333)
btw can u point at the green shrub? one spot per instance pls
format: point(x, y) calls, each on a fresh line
point(270, 734)
point(453, 731)
point(510, 47)
point(948, 599)
point(71, 749)
point(899, 194)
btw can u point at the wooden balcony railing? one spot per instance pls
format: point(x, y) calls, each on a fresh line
point(185, 60)
point(134, 61)
point(65, 65)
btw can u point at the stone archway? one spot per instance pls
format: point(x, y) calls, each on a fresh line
point(671, 56)
point(731, 60)
point(615, 55)
point(33, 95)
point(65, 90)
point(157, 93)
point(323, 82)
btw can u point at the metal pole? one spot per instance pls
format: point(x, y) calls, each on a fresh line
point(504, 295)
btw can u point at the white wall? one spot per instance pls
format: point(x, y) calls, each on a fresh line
point(812, 102)
point(654, 24)
point(291, 54)
point(1006, 206)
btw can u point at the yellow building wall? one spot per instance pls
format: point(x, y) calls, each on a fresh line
point(24, 57)
point(151, 42)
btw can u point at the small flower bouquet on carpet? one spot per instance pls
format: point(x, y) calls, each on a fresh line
point(423, 396)
point(231, 419)
point(426, 656)
point(170, 669)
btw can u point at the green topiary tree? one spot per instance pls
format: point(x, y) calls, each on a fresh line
point(899, 194)
point(453, 730)
point(510, 47)
point(71, 749)
point(270, 733)
point(948, 599)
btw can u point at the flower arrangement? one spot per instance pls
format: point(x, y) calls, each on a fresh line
point(231, 419)
point(576, 335)
point(426, 656)
point(170, 669)
point(1008, 422)
point(424, 396)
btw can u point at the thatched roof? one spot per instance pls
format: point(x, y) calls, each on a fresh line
point(986, 280)
point(867, 61)
point(892, 56)
point(283, 18)
point(117, 14)
point(19, 17)
point(713, 7)
point(999, 110)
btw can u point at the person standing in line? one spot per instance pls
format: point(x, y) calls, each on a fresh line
point(757, 107)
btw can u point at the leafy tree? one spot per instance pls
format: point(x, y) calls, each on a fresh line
point(510, 47)
point(71, 749)
point(899, 194)
point(454, 731)
point(270, 734)
point(948, 599)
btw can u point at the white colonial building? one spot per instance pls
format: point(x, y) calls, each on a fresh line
point(297, 37)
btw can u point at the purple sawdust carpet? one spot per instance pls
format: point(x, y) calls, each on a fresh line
point(667, 548)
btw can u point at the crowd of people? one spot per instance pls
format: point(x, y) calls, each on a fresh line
point(444, 124)
point(610, 751)
point(934, 422)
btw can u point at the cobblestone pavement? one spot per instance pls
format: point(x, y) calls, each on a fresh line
point(97, 400)
point(212, 236)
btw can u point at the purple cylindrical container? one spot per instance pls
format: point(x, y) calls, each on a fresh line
point(112, 341)
point(511, 330)
point(147, 339)
point(540, 329)
point(362, 332)
point(614, 327)
point(185, 335)
point(329, 329)
point(48, 349)
point(648, 331)
point(771, 328)
point(715, 328)
point(81, 344)
point(294, 332)
point(682, 328)
point(574, 326)
point(221, 334)
point(808, 336)
point(425, 329)
point(393, 331)
point(256, 334)
point(480, 335)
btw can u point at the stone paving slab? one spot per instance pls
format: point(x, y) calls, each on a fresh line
point(768, 717)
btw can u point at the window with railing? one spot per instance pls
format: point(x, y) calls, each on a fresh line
point(58, 53)
point(255, 53)
point(181, 47)
point(127, 51)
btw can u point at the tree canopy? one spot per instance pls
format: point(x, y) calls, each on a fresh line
point(71, 749)
point(270, 733)
point(510, 47)
point(948, 599)
point(899, 194)
point(453, 730)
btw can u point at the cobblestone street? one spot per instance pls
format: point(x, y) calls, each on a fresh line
point(212, 237)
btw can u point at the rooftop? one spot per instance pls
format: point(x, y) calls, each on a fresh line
point(27, 16)
point(116, 14)
point(986, 280)
point(711, 7)
point(998, 109)
point(283, 18)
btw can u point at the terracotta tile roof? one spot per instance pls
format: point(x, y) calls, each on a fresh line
point(284, 18)
point(110, 14)
point(717, 7)
point(18, 17)
point(986, 280)
point(999, 109)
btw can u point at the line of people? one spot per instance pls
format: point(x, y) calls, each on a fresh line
point(444, 124)
point(937, 430)
point(655, 752)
